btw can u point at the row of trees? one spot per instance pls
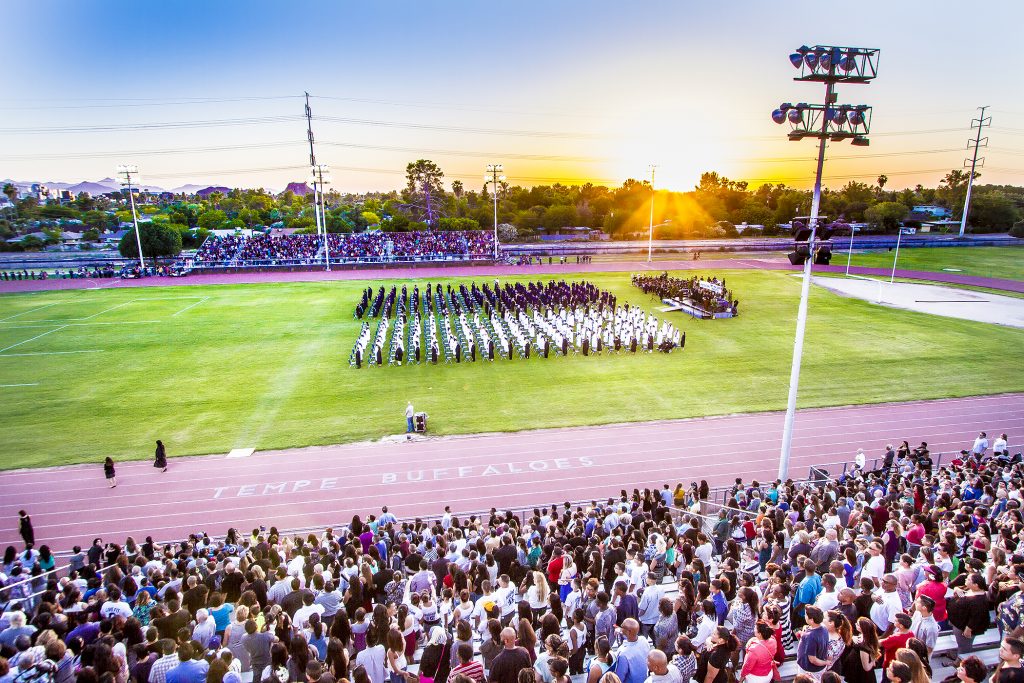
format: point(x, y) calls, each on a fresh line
point(711, 209)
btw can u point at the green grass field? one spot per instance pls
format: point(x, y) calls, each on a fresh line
point(212, 368)
point(1002, 262)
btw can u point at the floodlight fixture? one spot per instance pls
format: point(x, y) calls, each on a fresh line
point(831, 65)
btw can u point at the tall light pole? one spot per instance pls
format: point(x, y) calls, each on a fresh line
point(126, 171)
point(976, 143)
point(319, 178)
point(829, 65)
point(650, 233)
point(494, 177)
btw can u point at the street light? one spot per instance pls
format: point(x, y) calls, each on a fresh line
point(126, 171)
point(322, 178)
point(650, 234)
point(493, 177)
point(830, 65)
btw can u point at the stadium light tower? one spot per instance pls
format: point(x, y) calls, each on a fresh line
point(830, 65)
point(125, 172)
point(494, 177)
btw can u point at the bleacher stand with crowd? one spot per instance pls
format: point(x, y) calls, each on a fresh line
point(892, 571)
point(371, 246)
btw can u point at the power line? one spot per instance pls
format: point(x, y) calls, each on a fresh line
point(145, 102)
point(149, 152)
point(212, 123)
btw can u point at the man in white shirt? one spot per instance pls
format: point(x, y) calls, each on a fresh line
point(301, 618)
point(706, 626)
point(660, 671)
point(887, 605)
point(874, 568)
point(205, 628)
point(828, 598)
point(372, 659)
point(115, 606)
point(507, 598)
point(980, 445)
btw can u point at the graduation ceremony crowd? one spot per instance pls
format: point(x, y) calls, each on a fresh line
point(872, 575)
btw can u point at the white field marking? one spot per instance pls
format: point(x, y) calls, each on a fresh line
point(169, 298)
point(35, 384)
point(1008, 418)
point(657, 454)
point(74, 324)
point(33, 338)
point(90, 317)
point(30, 311)
point(191, 306)
point(48, 353)
point(241, 452)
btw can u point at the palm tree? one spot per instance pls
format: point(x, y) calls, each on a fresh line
point(11, 191)
point(882, 180)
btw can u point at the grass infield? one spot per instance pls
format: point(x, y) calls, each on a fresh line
point(88, 373)
point(1002, 262)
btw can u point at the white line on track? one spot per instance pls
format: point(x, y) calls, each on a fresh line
point(48, 353)
point(1007, 417)
point(33, 338)
point(188, 307)
point(35, 384)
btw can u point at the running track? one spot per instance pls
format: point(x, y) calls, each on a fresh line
point(323, 486)
point(497, 271)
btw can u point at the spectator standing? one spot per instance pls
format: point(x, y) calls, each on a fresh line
point(631, 662)
point(812, 649)
point(109, 473)
point(28, 535)
point(510, 661)
point(160, 459)
point(410, 414)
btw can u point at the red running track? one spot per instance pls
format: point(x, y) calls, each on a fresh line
point(315, 487)
point(434, 272)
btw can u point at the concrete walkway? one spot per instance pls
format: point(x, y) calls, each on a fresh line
point(949, 302)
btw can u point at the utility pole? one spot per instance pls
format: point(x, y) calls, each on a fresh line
point(312, 161)
point(493, 177)
point(976, 143)
point(650, 234)
point(126, 173)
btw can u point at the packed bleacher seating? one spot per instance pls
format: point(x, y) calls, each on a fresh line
point(373, 246)
point(899, 566)
point(219, 249)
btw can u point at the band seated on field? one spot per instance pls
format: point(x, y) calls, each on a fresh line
point(707, 294)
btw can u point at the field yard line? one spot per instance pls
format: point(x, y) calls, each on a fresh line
point(36, 384)
point(106, 311)
point(33, 338)
point(48, 353)
point(191, 306)
point(30, 311)
point(74, 324)
point(169, 298)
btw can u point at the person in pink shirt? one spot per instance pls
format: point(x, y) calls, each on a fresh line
point(915, 534)
point(759, 663)
point(935, 589)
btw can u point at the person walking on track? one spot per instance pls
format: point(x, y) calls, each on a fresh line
point(109, 473)
point(28, 535)
point(160, 460)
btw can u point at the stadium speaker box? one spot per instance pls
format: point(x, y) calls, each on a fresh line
point(823, 256)
point(796, 258)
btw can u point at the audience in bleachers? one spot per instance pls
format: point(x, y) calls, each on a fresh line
point(843, 579)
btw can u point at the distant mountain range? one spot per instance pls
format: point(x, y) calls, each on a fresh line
point(101, 186)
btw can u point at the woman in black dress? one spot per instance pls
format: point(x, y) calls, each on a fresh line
point(108, 472)
point(160, 461)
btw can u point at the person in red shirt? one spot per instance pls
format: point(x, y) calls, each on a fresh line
point(915, 534)
point(935, 589)
point(555, 568)
point(898, 639)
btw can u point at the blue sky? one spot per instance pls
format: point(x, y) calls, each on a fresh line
point(553, 90)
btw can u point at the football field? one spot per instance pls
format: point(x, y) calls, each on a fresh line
point(87, 373)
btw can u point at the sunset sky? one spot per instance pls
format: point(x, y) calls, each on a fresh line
point(555, 90)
